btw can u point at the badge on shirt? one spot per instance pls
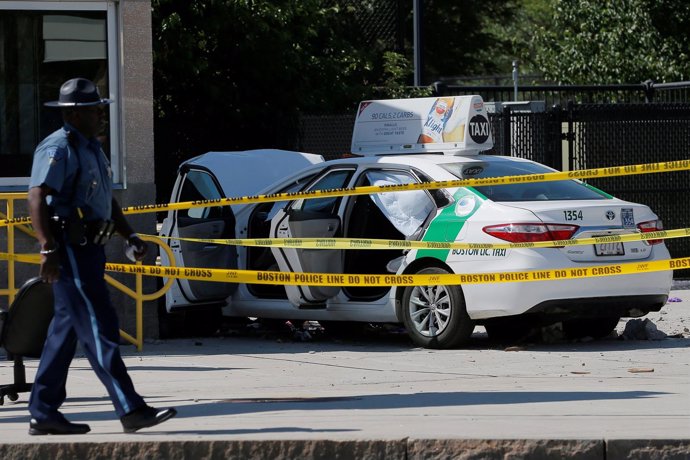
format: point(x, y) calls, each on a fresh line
point(54, 155)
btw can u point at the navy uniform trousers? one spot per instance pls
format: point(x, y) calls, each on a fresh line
point(83, 312)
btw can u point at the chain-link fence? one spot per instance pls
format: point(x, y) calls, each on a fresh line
point(621, 134)
point(585, 136)
point(379, 21)
point(327, 135)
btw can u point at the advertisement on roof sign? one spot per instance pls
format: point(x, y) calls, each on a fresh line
point(452, 125)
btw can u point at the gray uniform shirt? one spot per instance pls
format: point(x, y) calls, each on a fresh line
point(79, 173)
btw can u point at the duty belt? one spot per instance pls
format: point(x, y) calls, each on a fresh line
point(81, 232)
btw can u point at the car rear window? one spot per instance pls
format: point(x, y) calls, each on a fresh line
point(537, 191)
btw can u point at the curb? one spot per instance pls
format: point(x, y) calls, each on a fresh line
point(498, 449)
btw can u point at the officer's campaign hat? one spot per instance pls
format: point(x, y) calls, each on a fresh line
point(78, 92)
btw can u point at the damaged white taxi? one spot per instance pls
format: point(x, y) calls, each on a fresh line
point(402, 142)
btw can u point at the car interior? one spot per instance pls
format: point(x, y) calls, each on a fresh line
point(261, 258)
point(365, 220)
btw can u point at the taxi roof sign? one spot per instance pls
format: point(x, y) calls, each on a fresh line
point(454, 125)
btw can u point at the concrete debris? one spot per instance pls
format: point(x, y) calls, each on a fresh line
point(514, 348)
point(638, 329)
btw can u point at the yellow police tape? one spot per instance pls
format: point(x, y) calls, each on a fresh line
point(647, 168)
point(343, 279)
point(373, 243)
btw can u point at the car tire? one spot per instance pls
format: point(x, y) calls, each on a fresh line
point(435, 316)
point(596, 328)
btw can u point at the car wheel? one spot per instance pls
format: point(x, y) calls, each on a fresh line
point(435, 316)
point(596, 328)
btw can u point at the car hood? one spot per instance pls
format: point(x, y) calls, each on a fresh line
point(250, 171)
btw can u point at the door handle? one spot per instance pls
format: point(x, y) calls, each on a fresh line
point(330, 227)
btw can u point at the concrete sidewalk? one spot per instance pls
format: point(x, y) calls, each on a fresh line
point(252, 397)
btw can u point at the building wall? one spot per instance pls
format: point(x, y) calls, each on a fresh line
point(134, 64)
point(136, 79)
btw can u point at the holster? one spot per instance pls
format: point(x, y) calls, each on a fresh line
point(79, 232)
point(101, 232)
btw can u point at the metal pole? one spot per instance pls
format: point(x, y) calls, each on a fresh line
point(12, 289)
point(515, 80)
point(571, 138)
point(417, 31)
point(506, 141)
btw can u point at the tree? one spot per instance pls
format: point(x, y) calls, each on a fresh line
point(234, 75)
point(627, 41)
point(518, 33)
point(237, 74)
point(464, 38)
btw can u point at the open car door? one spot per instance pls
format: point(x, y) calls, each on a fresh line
point(217, 222)
point(312, 218)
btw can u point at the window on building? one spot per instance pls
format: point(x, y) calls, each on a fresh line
point(43, 44)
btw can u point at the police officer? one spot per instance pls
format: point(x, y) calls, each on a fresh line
point(73, 213)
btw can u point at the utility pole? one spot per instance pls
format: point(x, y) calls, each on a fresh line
point(417, 14)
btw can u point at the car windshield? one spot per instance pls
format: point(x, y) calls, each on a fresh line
point(537, 191)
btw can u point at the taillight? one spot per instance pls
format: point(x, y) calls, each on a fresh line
point(651, 226)
point(529, 233)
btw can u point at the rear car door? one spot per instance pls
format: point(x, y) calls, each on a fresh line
point(214, 222)
point(312, 218)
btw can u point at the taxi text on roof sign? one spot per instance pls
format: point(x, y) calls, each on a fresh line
point(452, 125)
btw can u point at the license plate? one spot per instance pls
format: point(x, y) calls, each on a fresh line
point(609, 249)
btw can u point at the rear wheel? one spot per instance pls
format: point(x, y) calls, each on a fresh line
point(596, 328)
point(435, 316)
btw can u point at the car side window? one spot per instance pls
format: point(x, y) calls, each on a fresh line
point(334, 179)
point(197, 186)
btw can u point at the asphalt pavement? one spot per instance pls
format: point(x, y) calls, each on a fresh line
point(244, 395)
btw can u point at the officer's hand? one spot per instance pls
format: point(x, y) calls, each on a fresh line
point(140, 247)
point(50, 267)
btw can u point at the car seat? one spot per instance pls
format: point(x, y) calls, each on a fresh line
point(23, 331)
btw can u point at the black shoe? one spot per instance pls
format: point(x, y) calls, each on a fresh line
point(145, 417)
point(57, 427)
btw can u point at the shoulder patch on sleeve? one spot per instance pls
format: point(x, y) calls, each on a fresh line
point(54, 153)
